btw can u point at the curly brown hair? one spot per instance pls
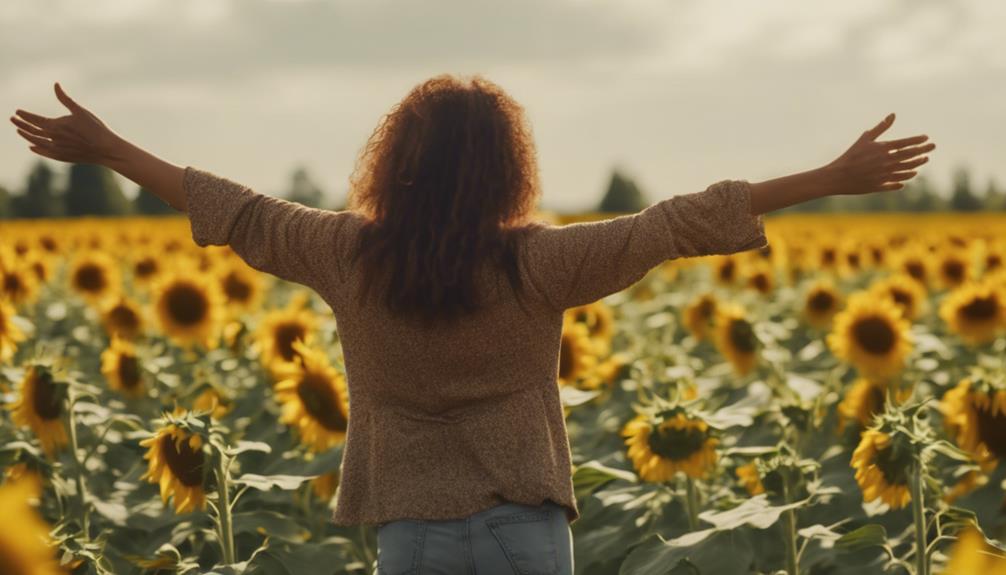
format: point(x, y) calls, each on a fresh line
point(445, 182)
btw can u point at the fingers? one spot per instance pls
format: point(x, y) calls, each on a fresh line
point(40, 121)
point(879, 129)
point(66, 100)
point(890, 187)
point(895, 144)
point(900, 176)
point(30, 128)
point(911, 152)
point(37, 140)
point(908, 165)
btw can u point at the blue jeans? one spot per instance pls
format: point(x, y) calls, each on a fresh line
point(507, 539)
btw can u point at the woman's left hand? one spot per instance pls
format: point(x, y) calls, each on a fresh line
point(79, 137)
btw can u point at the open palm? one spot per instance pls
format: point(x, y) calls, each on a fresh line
point(76, 137)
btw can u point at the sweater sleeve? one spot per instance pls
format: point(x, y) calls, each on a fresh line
point(579, 263)
point(286, 239)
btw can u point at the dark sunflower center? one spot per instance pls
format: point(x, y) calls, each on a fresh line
point(186, 304)
point(46, 399)
point(894, 463)
point(145, 268)
point(742, 335)
point(676, 444)
point(47, 243)
point(992, 431)
point(916, 269)
point(129, 371)
point(901, 297)
point(979, 308)
point(821, 301)
point(236, 288)
point(286, 334)
point(123, 318)
point(581, 317)
point(20, 248)
point(828, 256)
point(320, 402)
point(765, 252)
point(878, 254)
point(90, 278)
point(39, 269)
point(727, 271)
point(760, 282)
point(185, 463)
point(852, 259)
point(565, 359)
point(874, 401)
point(874, 334)
point(953, 270)
point(12, 284)
point(706, 308)
point(993, 261)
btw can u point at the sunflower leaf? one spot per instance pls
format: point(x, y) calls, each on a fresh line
point(866, 536)
point(267, 482)
point(244, 446)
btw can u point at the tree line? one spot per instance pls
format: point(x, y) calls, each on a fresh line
point(92, 190)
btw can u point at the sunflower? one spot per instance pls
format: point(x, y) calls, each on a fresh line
point(145, 268)
point(40, 407)
point(25, 544)
point(600, 322)
point(872, 335)
point(210, 400)
point(882, 463)
point(972, 555)
point(17, 284)
point(821, 302)
point(760, 277)
point(908, 294)
point(864, 399)
point(122, 318)
point(277, 332)
point(975, 414)
point(914, 262)
point(177, 463)
point(725, 270)
point(827, 258)
point(189, 308)
point(749, 478)
point(952, 268)
point(121, 368)
point(699, 315)
point(241, 286)
point(735, 338)
point(576, 352)
point(314, 399)
point(94, 275)
point(670, 442)
point(10, 334)
point(324, 485)
point(975, 311)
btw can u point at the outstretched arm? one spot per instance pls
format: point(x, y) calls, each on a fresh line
point(283, 238)
point(579, 263)
point(81, 137)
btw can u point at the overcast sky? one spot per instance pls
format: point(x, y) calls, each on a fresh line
point(679, 93)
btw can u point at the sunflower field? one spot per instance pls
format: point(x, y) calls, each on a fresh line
point(833, 403)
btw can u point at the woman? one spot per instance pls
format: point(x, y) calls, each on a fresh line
point(457, 447)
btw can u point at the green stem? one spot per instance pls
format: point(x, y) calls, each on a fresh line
point(224, 504)
point(81, 487)
point(692, 504)
point(789, 523)
point(366, 545)
point(919, 515)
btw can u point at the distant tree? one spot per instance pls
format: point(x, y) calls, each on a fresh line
point(39, 199)
point(6, 211)
point(93, 191)
point(148, 204)
point(623, 195)
point(995, 199)
point(303, 190)
point(962, 198)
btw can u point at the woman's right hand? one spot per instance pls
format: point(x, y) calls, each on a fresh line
point(871, 166)
point(79, 136)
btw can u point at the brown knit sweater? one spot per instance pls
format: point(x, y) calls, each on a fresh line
point(449, 422)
